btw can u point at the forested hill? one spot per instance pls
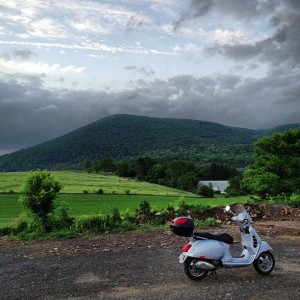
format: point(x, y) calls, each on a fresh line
point(127, 137)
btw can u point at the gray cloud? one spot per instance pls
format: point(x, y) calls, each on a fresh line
point(145, 71)
point(25, 54)
point(283, 47)
point(237, 8)
point(29, 114)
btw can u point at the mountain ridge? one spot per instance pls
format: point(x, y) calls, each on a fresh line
point(127, 137)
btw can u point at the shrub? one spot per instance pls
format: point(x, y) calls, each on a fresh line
point(100, 192)
point(38, 196)
point(294, 200)
point(144, 207)
point(116, 217)
point(62, 219)
point(208, 222)
point(206, 191)
point(93, 224)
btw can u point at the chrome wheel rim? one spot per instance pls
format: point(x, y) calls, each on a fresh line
point(265, 262)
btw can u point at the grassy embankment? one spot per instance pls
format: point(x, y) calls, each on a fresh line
point(79, 192)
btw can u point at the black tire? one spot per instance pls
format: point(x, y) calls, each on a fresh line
point(191, 271)
point(265, 263)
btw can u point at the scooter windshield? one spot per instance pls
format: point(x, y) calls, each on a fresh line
point(239, 208)
point(242, 214)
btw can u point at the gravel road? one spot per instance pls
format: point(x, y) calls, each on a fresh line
point(141, 266)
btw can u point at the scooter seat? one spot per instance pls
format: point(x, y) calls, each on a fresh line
point(222, 237)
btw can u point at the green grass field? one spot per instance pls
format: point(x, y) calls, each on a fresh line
point(82, 204)
point(77, 182)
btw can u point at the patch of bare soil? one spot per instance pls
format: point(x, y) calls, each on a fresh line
point(142, 266)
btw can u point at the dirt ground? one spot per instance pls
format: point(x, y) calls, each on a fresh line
point(142, 266)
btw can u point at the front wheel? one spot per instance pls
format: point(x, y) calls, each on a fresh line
point(265, 263)
point(191, 270)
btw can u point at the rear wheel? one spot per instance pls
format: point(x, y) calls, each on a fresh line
point(191, 269)
point(265, 263)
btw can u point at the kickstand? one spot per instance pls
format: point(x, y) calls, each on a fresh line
point(213, 274)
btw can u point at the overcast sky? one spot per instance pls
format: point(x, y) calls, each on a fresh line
point(64, 64)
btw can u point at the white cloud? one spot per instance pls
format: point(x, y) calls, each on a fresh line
point(226, 36)
point(39, 67)
point(47, 28)
point(90, 26)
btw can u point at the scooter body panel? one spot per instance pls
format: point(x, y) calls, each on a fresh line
point(205, 249)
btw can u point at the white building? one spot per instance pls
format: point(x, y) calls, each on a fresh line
point(218, 185)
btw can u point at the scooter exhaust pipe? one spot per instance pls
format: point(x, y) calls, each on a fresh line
point(204, 265)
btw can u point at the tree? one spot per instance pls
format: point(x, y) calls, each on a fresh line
point(235, 187)
point(218, 172)
point(206, 190)
point(38, 196)
point(125, 170)
point(142, 166)
point(276, 167)
point(87, 166)
point(188, 182)
point(108, 165)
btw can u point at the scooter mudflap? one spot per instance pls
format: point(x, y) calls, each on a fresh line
point(182, 258)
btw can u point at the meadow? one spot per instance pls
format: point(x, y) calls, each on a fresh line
point(79, 194)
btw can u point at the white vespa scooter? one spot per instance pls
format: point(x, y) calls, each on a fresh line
point(208, 252)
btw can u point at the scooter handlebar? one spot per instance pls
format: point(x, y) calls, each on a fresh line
point(241, 218)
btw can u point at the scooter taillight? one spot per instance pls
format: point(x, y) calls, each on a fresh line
point(186, 248)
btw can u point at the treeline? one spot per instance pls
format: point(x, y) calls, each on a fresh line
point(176, 174)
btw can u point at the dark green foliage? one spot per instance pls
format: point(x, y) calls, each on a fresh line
point(116, 217)
point(143, 165)
point(217, 172)
point(105, 165)
point(62, 218)
point(206, 191)
point(125, 170)
point(196, 211)
point(294, 200)
point(96, 224)
point(126, 137)
point(144, 208)
point(100, 191)
point(236, 187)
point(276, 167)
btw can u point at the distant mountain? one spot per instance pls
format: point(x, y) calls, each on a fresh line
point(127, 137)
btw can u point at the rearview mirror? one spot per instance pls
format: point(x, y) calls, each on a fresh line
point(227, 208)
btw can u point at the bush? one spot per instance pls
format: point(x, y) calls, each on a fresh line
point(144, 208)
point(206, 191)
point(62, 219)
point(183, 208)
point(208, 222)
point(294, 200)
point(100, 192)
point(38, 196)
